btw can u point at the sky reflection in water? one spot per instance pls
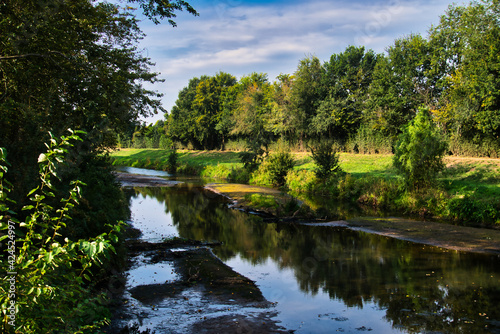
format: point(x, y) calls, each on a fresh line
point(326, 279)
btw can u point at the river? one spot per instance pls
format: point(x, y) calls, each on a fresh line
point(318, 279)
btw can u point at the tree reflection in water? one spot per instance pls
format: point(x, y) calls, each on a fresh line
point(420, 288)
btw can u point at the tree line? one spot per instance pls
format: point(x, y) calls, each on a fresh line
point(358, 98)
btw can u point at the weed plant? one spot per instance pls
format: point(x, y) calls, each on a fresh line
point(53, 276)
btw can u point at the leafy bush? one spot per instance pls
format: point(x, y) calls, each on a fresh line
point(261, 176)
point(251, 160)
point(52, 273)
point(470, 211)
point(419, 151)
point(348, 188)
point(235, 145)
point(278, 166)
point(479, 146)
point(301, 181)
point(379, 193)
point(172, 161)
point(102, 200)
point(239, 175)
point(326, 159)
point(216, 172)
point(369, 141)
point(165, 142)
point(261, 201)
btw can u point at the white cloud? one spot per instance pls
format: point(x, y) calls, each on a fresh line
point(272, 38)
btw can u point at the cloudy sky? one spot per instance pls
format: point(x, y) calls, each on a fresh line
point(241, 37)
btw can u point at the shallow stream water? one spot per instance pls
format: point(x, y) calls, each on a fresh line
point(321, 279)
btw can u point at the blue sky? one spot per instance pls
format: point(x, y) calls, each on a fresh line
point(240, 37)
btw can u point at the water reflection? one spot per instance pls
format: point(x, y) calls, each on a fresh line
point(326, 279)
point(142, 171)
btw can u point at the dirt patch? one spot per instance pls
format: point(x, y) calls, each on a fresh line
point(460, 238)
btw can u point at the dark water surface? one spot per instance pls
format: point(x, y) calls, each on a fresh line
point(327, 279)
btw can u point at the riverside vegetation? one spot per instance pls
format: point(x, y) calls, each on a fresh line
point(467, 191)
point(358, 98)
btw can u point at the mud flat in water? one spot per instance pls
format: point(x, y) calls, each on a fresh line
point(205, 296)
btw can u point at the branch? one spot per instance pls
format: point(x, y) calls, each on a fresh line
point(27, 55)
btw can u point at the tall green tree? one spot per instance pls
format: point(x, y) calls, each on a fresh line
point(198, 115)
point(181, 118)
point(279, 119)
point(307, 94)
point(250, 116)
point(401, 84)
point(468, 44)
point(347, 78)
point(419, 151)
point(208, 105)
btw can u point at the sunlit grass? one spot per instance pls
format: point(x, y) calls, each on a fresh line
point(480, 177)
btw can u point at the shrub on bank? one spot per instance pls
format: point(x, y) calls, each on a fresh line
point(472, 212)
point(217, 172)
point(278, 165)
point(301, 181)
point(475, 147)
point(55, 276)
point(419, 151)
point(379, 193)
point(239, 175)
point(262, 201)
point(262, 176)
point(326, 158)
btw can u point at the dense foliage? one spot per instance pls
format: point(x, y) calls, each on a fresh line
point(326, 159)
point(48, 288)
point(71, 64)
point(360, 99)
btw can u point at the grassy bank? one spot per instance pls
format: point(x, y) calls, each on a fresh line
point(467, 192)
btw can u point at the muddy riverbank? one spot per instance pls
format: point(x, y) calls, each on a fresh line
point(200, 294)
point(459, 238)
